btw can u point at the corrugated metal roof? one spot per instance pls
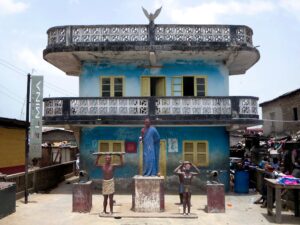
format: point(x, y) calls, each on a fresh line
point(281, 96)
point(7, 122)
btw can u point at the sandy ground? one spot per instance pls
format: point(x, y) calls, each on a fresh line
point(56, 208)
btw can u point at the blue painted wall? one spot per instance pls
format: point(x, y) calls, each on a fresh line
point(217, 137)
point(89, 85)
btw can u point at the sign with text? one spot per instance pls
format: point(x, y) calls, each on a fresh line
point(35, 140)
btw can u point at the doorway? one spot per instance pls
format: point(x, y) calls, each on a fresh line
point(153, 86)
point(188, 86)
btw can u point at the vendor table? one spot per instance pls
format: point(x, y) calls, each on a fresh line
point(272, 184)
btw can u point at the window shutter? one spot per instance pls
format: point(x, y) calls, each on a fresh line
point(202, 156)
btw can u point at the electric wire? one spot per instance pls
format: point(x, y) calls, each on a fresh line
point(9, 91)
point(11, 97)
point(22, 72)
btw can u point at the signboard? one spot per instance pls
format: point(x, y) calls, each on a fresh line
point(36, 110)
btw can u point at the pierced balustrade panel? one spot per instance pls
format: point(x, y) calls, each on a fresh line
point(53, 108)
point(90, 107)
point(192, 33)
point(243, 35)
point(248, 106)
point(57, 36)
point(195, 106)
point(109, 34)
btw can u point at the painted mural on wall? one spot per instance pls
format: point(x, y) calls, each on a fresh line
point(90, 79)
point(172, 145)
point(216, 137)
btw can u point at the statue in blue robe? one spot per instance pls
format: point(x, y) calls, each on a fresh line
point(151, 144)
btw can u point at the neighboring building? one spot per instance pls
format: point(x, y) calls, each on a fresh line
point(281, 115)
point(178, 75)
point(12, 145)
point(58, 146)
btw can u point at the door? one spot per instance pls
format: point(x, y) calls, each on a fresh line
point(162, 159)
point(145, 86)
point(153, 86)
point(177, 86)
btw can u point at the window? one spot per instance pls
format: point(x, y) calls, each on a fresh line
point(111, 146)
point(177, 86)
point(112, 86)
point(295, 111)
point(200, 86)
point(189, 86)
point(196, 152)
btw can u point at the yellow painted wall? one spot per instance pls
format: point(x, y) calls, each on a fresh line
point(12, 147)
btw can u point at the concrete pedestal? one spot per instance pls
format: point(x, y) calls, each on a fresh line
point(148, 194)
point(82, 197)
point(215, 198)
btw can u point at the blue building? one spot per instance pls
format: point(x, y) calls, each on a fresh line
point(177, 75)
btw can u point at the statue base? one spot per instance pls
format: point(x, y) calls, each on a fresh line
point(148, 194)
point(215, 198)
point(82, 197)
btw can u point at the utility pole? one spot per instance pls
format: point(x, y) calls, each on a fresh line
point(27, 138)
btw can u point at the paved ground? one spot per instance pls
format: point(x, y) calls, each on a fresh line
point(56, 208)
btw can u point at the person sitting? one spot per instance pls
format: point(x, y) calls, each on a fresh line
point(275, 164)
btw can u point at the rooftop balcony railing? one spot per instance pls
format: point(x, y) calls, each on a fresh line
point(153, 44)
point(105, 34)
point(164, 110)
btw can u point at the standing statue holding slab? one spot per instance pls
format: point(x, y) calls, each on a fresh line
point(151, 143)
point(108, 184)
point(186, 171)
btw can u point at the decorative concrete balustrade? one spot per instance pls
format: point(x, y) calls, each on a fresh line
point(150, 45)
point(70, 35)
point(163, 109)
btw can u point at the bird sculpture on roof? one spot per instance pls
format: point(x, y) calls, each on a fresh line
point(151, 17)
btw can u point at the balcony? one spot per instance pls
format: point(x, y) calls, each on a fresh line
point(150, 45)
point(222, 111)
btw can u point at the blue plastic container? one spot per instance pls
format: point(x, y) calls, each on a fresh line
point(241, 182)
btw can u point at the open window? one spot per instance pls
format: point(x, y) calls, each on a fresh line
point(189, 86)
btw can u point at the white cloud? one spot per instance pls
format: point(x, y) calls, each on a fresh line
point(291, 6)
point(212, 11)
point(56, 82)
point(12, 7)
point(31, 59)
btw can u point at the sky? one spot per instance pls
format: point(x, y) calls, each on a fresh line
point(23, 26)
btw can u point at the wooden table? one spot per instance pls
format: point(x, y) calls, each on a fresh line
point(271, 184)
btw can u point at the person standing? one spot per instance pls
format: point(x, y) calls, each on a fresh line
point(151, 143)
point(179, 171)
point(108, 184)
point(187, 181)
